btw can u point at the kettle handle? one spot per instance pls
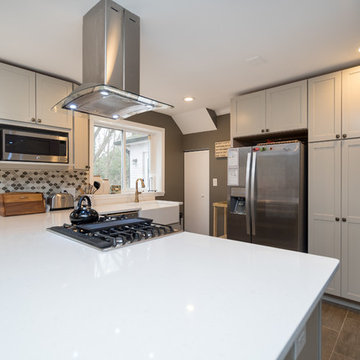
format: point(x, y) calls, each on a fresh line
point(82, 198)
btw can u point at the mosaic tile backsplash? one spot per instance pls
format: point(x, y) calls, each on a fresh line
point(47, 182)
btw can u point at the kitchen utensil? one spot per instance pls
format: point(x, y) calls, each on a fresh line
point(83, 213)
point(60, 201)
point(97, 186)
point(100, 181)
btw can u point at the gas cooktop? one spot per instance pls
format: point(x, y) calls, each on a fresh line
point(112, 232)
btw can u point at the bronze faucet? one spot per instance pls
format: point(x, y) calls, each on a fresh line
point(137, 192)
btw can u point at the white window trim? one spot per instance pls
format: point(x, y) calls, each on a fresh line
point(157, 146)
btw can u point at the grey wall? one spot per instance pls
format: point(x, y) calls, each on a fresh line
point(206, 140)
point(174, 158)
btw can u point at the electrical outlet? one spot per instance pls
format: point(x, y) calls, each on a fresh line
point(215, 182)
point(300, 343)
point(70, 190)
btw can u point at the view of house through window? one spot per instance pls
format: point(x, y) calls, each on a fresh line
point(137, 158)
point(110, 145)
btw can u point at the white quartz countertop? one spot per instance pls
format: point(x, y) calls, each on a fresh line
point(181, 297)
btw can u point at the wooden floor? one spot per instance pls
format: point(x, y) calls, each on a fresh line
point(340, 333)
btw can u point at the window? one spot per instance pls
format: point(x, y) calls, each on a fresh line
point(123, 151)
point(108, 154)
point(137, 158)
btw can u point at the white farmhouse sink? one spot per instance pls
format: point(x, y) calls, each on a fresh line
point(162, 212)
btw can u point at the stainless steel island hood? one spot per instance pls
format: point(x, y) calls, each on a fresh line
point(111, 65)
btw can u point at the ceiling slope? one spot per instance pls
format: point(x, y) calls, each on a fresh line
point(195, 121)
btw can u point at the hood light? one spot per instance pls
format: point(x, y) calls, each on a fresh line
point(115, 116)
point(188, 99)
point(73, 106)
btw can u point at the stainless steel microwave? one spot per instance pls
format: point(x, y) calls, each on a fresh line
point(34, 145)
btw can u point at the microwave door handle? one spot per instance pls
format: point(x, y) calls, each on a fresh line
point(3, 154)
point(252, 205)
point(247, 193)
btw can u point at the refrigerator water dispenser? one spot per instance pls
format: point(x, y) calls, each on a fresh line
point(237, 205)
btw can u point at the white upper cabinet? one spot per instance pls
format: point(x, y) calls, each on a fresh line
point(325, 107)
point(324, 236)
point(248, 114)
point(286, 107)
point(49, 91)
point(351, 103)
point(282, 108)
point(351, 219)
point(17, 93)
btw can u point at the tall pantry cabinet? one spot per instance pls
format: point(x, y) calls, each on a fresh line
point(334, 173)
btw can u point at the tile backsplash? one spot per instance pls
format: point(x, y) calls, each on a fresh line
point(45, 181)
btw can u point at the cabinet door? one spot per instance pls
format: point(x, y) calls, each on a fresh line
point(250, 114)
point(351, 214)
point(81, 141)
point(49, 91)
point(351, 103)
point(324, 203)
point(286, 107)
point(325, 107)
point(17, 93)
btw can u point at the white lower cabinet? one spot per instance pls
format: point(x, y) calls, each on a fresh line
point(334, 210)
point(324, 203)
point(350, 284)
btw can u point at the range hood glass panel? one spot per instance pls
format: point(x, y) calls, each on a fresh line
point(107, 101)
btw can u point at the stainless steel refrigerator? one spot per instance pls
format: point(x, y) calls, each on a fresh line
point(266, 194)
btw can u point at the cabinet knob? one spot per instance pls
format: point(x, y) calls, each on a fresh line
point(343, 219)
point(39, 121)
point(87, 167)
point(337, 219)
point(262, 130)
point(267, 130)
point(33, 120)
point(344, 136)
point(337, 136)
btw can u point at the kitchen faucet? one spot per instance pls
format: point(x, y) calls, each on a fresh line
point(137, 192)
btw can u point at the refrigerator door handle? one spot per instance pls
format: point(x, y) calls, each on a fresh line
point(252, 195)
point(247, 193)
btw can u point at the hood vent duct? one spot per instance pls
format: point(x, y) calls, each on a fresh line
point(111, 65)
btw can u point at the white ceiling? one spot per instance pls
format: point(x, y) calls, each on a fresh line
point(197, 47)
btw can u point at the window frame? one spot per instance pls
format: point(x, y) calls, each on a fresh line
point(157, 149)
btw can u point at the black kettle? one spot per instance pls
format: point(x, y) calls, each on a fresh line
point(83, 213)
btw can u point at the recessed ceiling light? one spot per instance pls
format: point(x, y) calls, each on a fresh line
point(72, 106)
point(359, 49)
point(188, 98)
point(115, 116)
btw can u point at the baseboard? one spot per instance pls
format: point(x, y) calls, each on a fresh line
point(343, 302)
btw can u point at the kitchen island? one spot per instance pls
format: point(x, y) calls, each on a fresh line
point(180, 297)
